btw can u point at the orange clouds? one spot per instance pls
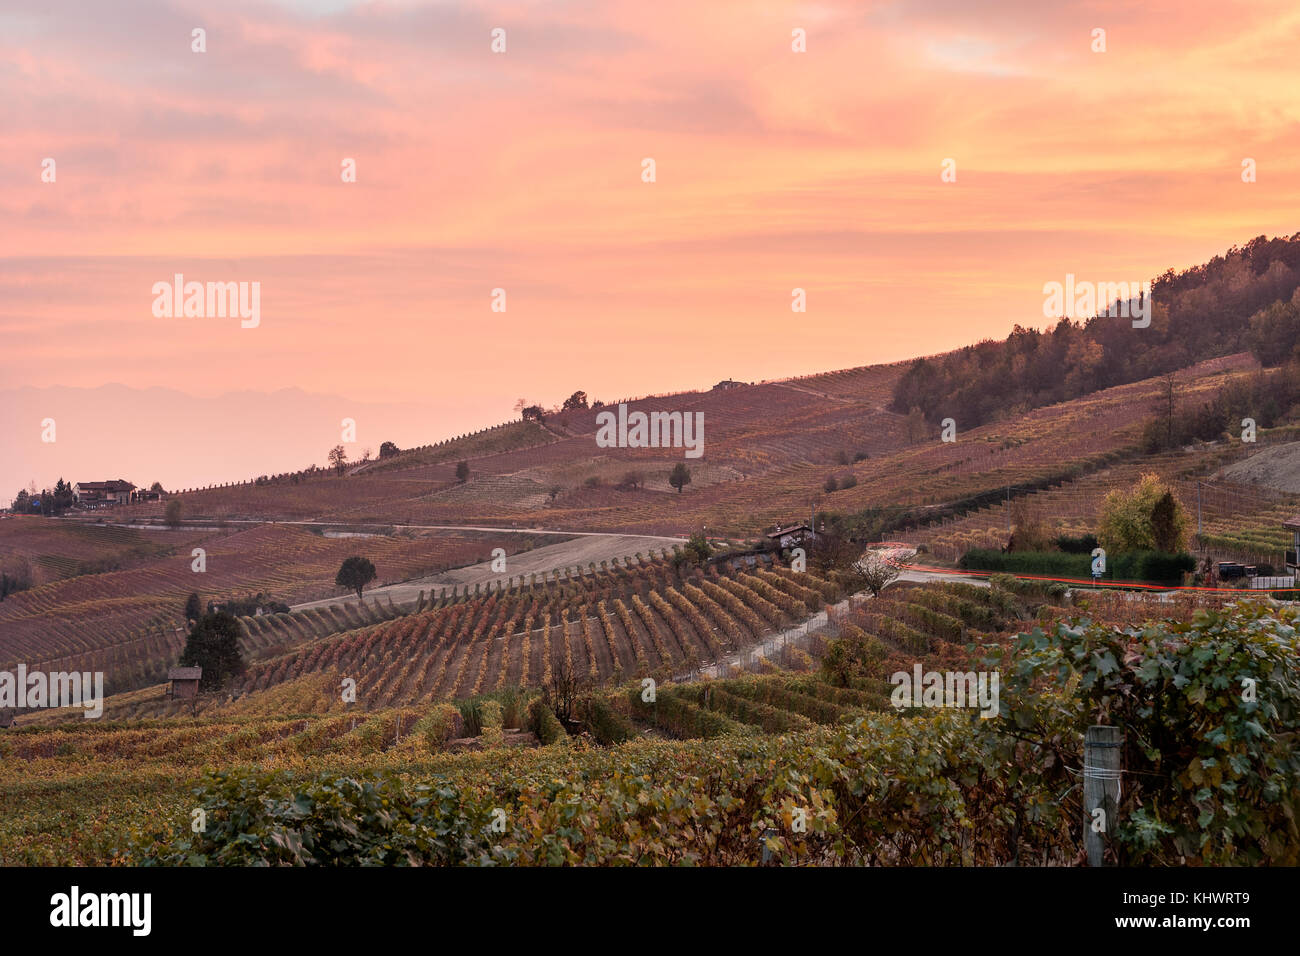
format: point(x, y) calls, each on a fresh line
point(521, 170)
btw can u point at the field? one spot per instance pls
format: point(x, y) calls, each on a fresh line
point(526, 687)
point(107, 777)
point(1238, 521)
point(124, 620)
point(768, 451)
point(707, 770)
point(641, 618)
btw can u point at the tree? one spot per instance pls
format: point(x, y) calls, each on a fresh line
point(832, 484)
point(1147, 518)
point(355, 573)
point(698, 547)
point(679, 477)
point(1275, 331)
point(554, 492)
point(338, 459)
point(874, 572)
point(62, 495)
point(534, 413)
point(157, 486)
point(575, 401)
point(16, 577)
point(172, 513)
point(916, 427)
point(462, 472)
point(22, 502)
point(1169, 384)
point(1029, 533)
point(193, 607)
point(213, 644)
point(1168, 526)
point(388, 450)
point(633, 479)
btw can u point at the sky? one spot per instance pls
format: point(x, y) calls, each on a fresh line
point(523, 171)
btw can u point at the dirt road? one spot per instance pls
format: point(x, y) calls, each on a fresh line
point(580, 552)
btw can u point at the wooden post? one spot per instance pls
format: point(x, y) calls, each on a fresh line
point(1101, 776)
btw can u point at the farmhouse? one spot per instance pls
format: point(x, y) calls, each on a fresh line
point(184, 682)
point(789, 537)
point(727, 383)
point(93, 494)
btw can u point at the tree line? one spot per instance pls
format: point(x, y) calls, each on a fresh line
point(1245, 299)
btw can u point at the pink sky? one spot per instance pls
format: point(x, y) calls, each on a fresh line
point(522, 170)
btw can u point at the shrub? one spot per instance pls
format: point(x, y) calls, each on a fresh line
point(1153, 566)
point(1084, 544)
point(543, 722)
point(605, 724)
point(376, 820)
point(492, 734)
point(440, 725)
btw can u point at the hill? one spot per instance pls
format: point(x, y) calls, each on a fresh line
point(1277, 467)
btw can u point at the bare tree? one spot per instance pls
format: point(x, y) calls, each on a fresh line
point(875, 572)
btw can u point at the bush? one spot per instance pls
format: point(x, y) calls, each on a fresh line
point(1084, 544)
point(831, 484)
point(698, 547)
point(440, 725)
point(471, 717)
point(246, 606)
point(543, 722)
point(376, 820)
point(491, 724)
point(605, 724)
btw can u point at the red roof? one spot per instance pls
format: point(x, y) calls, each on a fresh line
point(116, 484)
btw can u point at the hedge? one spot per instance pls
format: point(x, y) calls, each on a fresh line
point(1154, 566)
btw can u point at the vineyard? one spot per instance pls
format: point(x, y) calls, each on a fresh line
point(1239, 522)
point(648, 616)
point(124, 622)
point(768, 451)
point(117, 785)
